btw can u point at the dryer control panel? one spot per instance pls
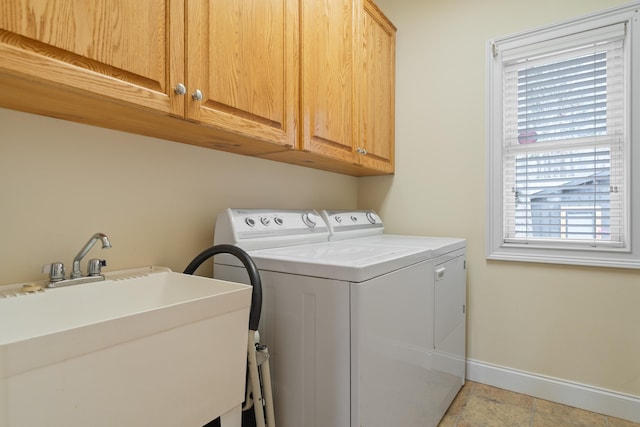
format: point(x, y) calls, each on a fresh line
point(350, 224)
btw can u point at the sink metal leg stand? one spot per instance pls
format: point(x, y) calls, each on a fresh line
point(258, 357)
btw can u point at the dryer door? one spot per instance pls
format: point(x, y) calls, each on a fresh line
point(449, 332)
point(392, 383)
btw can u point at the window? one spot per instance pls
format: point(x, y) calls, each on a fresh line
point(562, 146)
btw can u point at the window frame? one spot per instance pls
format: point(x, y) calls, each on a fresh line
point(497, 248)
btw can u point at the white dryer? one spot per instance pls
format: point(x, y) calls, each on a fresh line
point(448, 355)
point(349, 325)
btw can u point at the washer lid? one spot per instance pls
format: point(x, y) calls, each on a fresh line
point(343, 260)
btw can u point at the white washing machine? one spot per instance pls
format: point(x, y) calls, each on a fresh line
point(349, 325)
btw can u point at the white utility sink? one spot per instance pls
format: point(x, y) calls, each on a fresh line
point(145, 347)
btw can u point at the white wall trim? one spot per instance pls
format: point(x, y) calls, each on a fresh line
point(570, 393)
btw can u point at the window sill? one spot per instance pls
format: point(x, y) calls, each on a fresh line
point(583, 258)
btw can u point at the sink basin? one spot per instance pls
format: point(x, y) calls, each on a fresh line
point(146, 346)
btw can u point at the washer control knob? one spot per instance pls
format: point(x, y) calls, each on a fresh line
point(250, 221)
point(310, 219)
point(265, 220)
point(338, 219)
point(278, 220)
point(372, 217)
point(354, 218)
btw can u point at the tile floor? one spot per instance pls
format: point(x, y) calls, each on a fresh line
point(480, 405)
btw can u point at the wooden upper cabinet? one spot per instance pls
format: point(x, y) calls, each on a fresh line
point(376, 96)
point(306, 82)
point(242, 57)
point(327, 56)
point(119, 48)
point(348, 75)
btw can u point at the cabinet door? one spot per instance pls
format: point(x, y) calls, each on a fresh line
point(241, 56)
point(327, 55)
point(116, 48)
point(377, 90)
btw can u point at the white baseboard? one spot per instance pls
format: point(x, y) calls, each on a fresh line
point(582, 396)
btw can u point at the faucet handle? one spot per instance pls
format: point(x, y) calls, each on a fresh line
point(95, 266)
point(55, 271)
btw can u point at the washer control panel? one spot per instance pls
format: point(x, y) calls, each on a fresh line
point(253, 228)
point(259, 220)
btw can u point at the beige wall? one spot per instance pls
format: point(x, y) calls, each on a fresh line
point(574, 323)
point(60, 182)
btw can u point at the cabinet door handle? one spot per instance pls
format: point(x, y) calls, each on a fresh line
point(197, 95)
point(361, 151)
point(180, 89)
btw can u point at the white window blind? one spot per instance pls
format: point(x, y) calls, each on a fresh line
point(564, 167)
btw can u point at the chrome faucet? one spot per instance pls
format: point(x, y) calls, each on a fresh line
point(106, 244)
point(94, 274)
